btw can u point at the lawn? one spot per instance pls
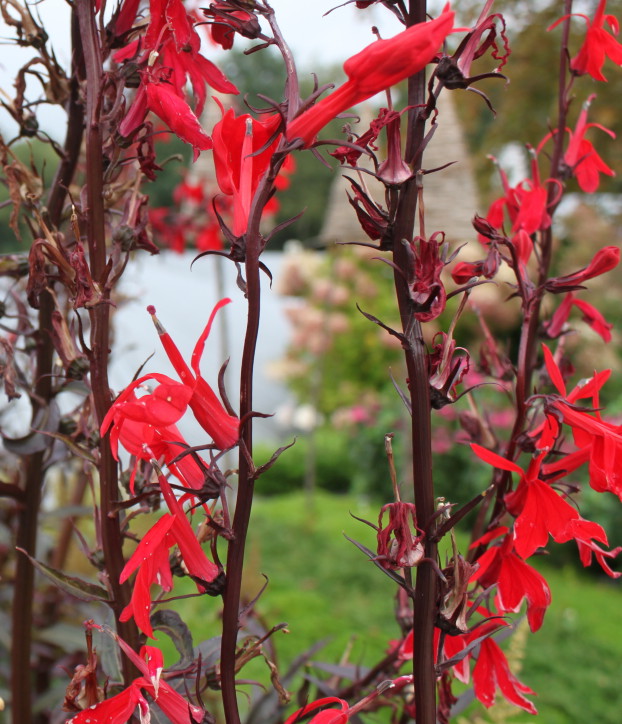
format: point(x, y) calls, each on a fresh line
point(324, 588)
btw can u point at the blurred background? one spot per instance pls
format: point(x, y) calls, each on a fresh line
point(325, 373)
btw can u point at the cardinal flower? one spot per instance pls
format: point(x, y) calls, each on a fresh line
point(145, 427)
point(376, 68)
point(243, 148)
point(168, 56)
point(120, 708)
point(207, 408)
point(492, 671)
point(591, 316)
point(602, 262)
point(598, 44)
point(151, 560)
point(516, 581)
point(327, 716)
point(581, 155)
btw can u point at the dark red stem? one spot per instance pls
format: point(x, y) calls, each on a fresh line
point(424, 599)
point(112, 539)
point(34, 468)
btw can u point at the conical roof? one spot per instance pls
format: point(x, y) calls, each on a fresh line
point(450, 195)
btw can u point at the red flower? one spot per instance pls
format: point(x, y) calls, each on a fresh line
point(239, 163)
point(602, 262)
point(175, 112)
point(376, 68)
point(526, 203)
point(599, 442)
point(116, 710)
point(328, 716)
point(598, 43)
point(492, 671)
point(207, 408)
point(151, 560)
point(515, 580)
point(398, 545)
point(169, 57)
point(555, 326)
point(581, 155)
point(144, 427)
point(120, 708)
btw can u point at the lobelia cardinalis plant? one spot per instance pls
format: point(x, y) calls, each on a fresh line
point(136, 63)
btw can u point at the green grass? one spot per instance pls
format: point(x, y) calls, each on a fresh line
point(324, 587)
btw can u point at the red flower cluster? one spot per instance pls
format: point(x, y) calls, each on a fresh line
point(168, 55)
point(120, 708)
point(145, 426)
point(491, 670)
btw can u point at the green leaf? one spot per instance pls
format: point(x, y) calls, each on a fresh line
point(83, 590)
point(171, 624)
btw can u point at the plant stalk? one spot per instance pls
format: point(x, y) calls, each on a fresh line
point(424, 599)
point(112, 539)
point(34, 467)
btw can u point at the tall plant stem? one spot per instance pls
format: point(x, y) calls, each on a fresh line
point(112, 539)
point(34, 468)
point(254, 243)
point(527, 350)
point(424, 599)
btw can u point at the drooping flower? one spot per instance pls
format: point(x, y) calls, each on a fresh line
point(399, 541)
point(591, 316)
point(516, 580)
point(327, 716)
point(602, 262)
point(425, 286)
point(376, 68)
point(226, 21)
point(492, 671)
point(151, 560)
point(117, 709)
point(598, 44)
